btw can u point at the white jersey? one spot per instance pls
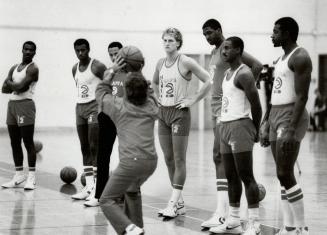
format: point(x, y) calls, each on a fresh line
point(283, 91)
point(173, 86)
point(86, 83)
point(18, 76)
point(235, 104)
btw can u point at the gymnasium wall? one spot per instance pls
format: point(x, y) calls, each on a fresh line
point(54, 25)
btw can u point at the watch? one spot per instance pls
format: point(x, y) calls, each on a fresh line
point(111, 71)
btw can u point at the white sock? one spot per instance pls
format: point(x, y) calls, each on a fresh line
point(295, 198)
point(222, 198)
point(286, 209)
point(175, 196)
point(89, 179)
point(234, 218)
point(181, 199)
point(253, 214)
point(31, 173)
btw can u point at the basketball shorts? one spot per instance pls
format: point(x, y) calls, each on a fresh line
point(173, 121)
point(237, 136)
point(21, 112)
point(279, 119)
point(87, 113)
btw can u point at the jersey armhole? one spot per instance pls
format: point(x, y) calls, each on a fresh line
point(187, 79)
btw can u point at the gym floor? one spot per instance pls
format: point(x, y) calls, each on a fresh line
point(50, 210)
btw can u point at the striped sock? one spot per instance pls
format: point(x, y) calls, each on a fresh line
point(234, 218)
point(222, 197)
point(287, 213)
point(253, 214)
point(31, 169)
point(295, 199)
point(19, 170)
point(88, 170)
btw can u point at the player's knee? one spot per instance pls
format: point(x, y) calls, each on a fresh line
point(180, 163)
point(283, 175)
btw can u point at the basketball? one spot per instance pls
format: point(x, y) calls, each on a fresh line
point(83, 180)
point(262, 192)
point(68, 174)
point(38, 146)
point(133, 58)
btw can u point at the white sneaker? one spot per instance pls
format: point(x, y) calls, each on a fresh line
point(302, 231)
point(92, 194)
point(93, 202)
point(180, 209)
point(283, 231)
point(226, 228)
point(132, 229)
point(15, 181)
point(253, 229)
point(82, 195)
point(214, 221)
point(30, 183)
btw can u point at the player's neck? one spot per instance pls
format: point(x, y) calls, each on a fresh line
point(219, 42)
point(171, 57)
point(85, 61)
point(289, 47)
point(235, 64)
point(26, 61)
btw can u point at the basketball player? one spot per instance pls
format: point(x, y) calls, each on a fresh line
point(116, 73)
point(171, 80)
point(238, 133)
point(20, 83)
point(87, 73)
point(288, 120)
point(134, 116)
point(212, 31)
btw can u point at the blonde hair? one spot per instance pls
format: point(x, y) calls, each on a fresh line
point(176, 34)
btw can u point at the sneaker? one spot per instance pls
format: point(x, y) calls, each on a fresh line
point(180, 209)
point(82, 195)
point(302, 231)
point(253, 229)
point(283, 231)
point(30, 183)
point(226, 228)
point(16, 181)
point(92, 194)
point(93, 202)
point(132, 229)
point(214, 221)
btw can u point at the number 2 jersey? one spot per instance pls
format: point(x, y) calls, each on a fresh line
point(173, 86)
point(86, 83)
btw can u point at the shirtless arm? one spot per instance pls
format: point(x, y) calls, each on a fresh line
point(253, 63)
point(98, 69)
point(155, 80)
point(246, 81)
point(202, 75)
point(5, 87)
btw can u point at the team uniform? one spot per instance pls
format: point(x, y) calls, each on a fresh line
point(237, 135)
point(173, 87)
point(87, 126)
point(21, 115)
point(137, 157)
point(217, 69)
point(283, 99)
point(237, 131)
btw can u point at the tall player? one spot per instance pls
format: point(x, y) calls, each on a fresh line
point(170, 81)
point(20, 83)
point(212, 31)
point(288, 120)
point(238, 133)
point(107, 129)
point(87, 73)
